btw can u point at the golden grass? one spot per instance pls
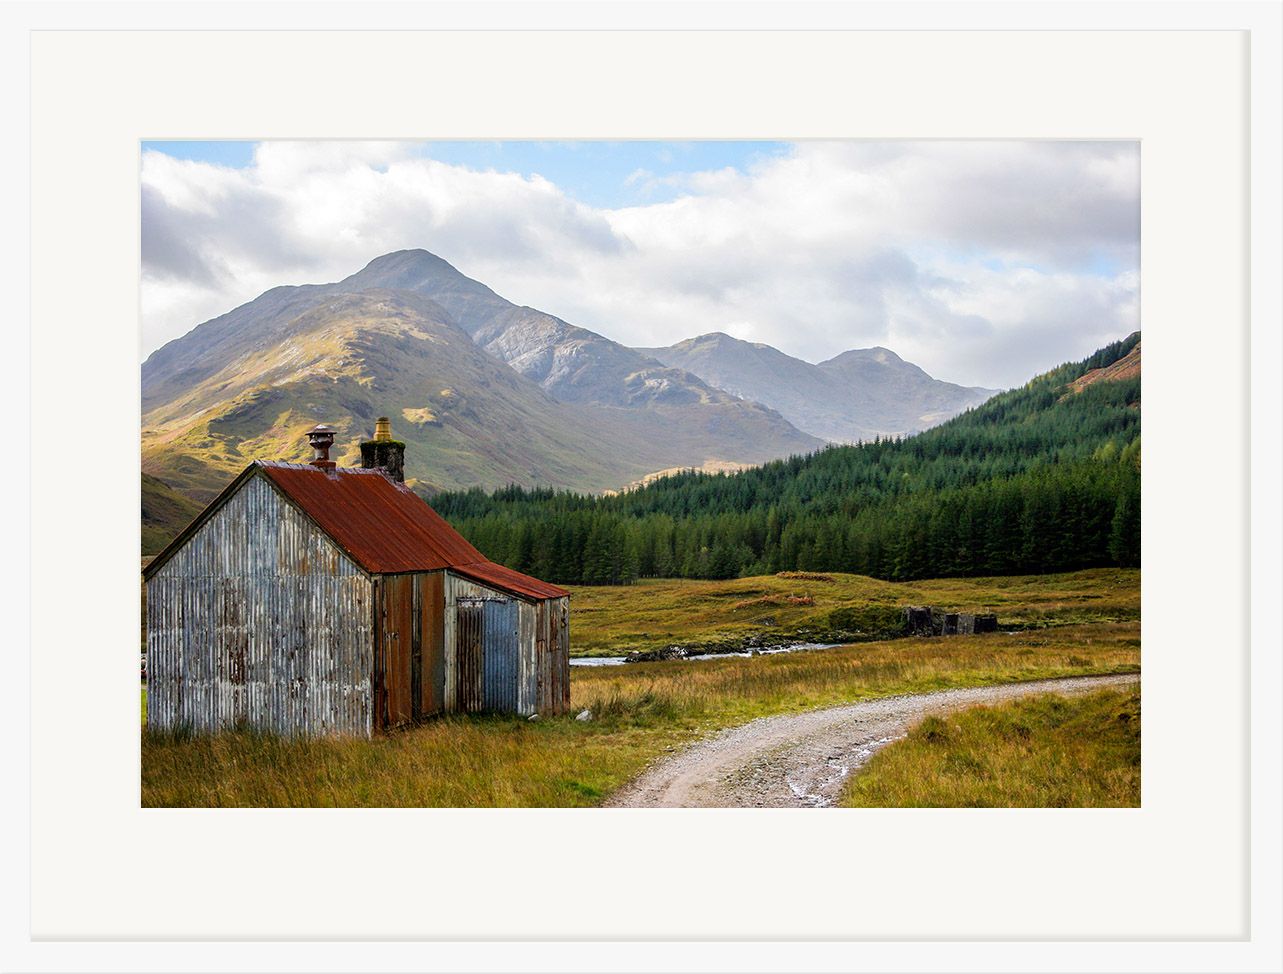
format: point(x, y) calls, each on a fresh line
point(611, 620)
point(639, 710)
point(1040, 752)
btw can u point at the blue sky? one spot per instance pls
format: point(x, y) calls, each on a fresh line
point(599, 174)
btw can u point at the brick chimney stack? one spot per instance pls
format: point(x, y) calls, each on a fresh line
point(383, 452)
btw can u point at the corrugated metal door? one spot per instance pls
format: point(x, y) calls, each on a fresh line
point(469, 639)
point(431, 601)
point(500, 649)
point(396, 647)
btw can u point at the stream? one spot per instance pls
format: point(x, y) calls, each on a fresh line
point(769, 651)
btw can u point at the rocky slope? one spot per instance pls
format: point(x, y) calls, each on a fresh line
point(857, 395)
point(576, 410)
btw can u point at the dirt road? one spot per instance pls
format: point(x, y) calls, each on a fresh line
point(802, 760)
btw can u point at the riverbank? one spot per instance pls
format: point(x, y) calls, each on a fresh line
point(735, 615)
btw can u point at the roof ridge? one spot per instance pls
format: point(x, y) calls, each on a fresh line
point(383, 526)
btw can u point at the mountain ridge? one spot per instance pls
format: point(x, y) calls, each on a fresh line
point(577, 410)
point(858, 394)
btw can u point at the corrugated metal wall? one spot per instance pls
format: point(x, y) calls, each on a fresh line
point(502, 653)
point(260, 619)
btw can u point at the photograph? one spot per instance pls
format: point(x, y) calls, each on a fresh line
point(640, 473)
point(644, 487)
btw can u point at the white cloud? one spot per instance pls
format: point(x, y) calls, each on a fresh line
point(982, 262)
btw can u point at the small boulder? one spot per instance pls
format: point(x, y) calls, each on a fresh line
point(584, 715)
point(533, 717)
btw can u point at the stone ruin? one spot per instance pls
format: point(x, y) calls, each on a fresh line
point(922, 620)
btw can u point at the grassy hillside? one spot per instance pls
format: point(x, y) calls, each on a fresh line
point(165, 513)
point(1037, 479)
point(1044, 752)
point(465, 417)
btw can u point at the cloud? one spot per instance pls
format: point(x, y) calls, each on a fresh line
point(982, 262)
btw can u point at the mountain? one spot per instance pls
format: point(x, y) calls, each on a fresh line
point(570, 363)
point(1127, 367)
point(589, 414)
point(857, 395)
point(1037, 479)
point(165, 513)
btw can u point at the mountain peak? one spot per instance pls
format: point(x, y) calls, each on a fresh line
point(417, 261)
point(877, 353)
point(713, 338)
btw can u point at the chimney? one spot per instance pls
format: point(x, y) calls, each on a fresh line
point(322, 438)
point(383, 452)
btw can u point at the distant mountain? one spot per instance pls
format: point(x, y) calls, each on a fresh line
point(857, 395)
point(576, 410)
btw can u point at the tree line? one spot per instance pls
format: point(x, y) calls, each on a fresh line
point(1037, 479)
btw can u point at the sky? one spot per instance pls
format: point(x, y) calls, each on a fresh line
point(983, 262)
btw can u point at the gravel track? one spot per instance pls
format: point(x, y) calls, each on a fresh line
point(803, 760)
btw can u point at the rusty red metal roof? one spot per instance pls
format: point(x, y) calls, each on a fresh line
point(490, 573)
point(387, 528)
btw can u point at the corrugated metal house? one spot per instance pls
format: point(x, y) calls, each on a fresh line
point(313, 599)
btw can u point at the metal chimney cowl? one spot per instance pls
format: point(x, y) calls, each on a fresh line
point(321, 438)
point(384, 453)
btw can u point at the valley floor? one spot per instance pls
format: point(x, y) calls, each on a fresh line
point(642, 713)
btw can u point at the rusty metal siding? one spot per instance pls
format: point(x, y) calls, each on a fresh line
point(527, 661)
point(394, 641)
point(533, 667)
point(561, 651)
point(469, 655)
point(259, 619)
point(553, 648)
point(431, 598)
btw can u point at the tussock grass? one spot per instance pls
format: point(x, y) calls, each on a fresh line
point(735, 687)
point(1040, 752)
point(612, 620)
point(638, 711)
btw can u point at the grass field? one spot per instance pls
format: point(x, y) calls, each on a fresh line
point(611, 620)
point(639, 711)
point(1042, 752)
